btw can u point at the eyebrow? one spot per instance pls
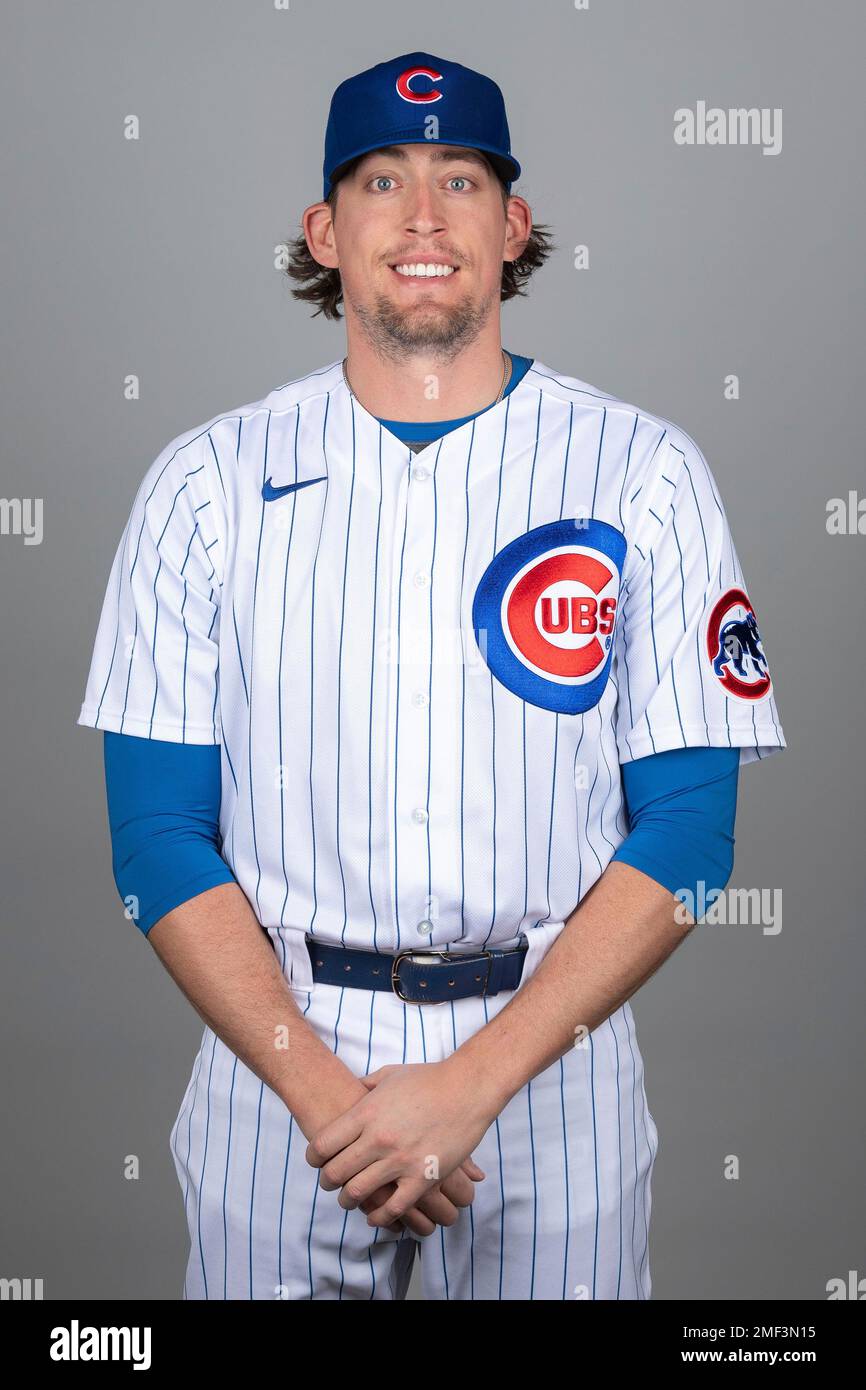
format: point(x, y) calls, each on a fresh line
point(440, 153)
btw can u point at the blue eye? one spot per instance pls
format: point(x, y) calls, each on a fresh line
point(383, 178)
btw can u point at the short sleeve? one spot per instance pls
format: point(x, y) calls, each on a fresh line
point(154, 671)
point(690, 661)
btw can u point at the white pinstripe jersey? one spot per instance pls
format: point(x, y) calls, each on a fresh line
point(425, 670)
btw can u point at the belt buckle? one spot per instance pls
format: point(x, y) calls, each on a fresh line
point(395, 975)
point(444, 955)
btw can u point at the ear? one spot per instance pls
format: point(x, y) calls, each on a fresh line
point(518, 227)
point(318, 227)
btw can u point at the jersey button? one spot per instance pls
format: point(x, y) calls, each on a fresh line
point(425, 928)
point(420, 474)
point(420, 698)
point(419, 815)
point(421, 580)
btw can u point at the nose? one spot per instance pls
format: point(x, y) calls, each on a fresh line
point(424, 214)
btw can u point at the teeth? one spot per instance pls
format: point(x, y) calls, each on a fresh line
point(428, 270)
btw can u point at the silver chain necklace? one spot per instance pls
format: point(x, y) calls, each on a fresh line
point(506, 373)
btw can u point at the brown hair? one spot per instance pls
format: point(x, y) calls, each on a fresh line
point(321, 285)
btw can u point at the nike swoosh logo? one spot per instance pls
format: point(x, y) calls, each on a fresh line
point(271, 493)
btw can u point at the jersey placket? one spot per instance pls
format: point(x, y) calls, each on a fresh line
point(410, 687)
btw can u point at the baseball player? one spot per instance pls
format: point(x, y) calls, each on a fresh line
point(425, 681)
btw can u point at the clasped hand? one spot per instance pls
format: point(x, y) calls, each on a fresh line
point(405, 1145)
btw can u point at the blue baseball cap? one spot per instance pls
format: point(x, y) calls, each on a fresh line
point(391, 104)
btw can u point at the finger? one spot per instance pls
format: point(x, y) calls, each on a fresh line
point(344, 1165)
point(458, 1188)
point(364, 1183)
point(381, 1195)
point(471, 1169)
point(336, 1136)
point(430, 1211)
point(376, 1198)
point(373, 1078)
point(438, 1207)
point(409, 1190)
point(414, 1220)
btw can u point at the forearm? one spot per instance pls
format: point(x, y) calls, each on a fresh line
point(219, 956)
point(620, 935)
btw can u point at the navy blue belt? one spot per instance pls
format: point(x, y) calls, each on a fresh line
point(419, 977)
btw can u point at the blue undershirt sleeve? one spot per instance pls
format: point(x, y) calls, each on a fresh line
point(681, 810)
point(164, 800)
point(163, 814)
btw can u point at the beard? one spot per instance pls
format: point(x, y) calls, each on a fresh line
point(443, 330)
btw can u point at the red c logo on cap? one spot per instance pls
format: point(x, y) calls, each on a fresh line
point(405, 91)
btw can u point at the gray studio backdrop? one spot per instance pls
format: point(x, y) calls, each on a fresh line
point(155, 257)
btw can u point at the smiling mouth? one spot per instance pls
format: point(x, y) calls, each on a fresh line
point(424, 270)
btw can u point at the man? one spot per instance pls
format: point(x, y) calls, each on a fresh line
point(421, 714)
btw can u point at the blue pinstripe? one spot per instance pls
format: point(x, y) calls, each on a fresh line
point(311, 925)
point(619, 1149)
point(397, 731)
point(430, 680)
point(370, 718)
point(340, 679)
point(463, 706)
point(253, 1178)
point(594, 1160)
point(265, 469)
point(280, 671)
point(534, 1189)
point(567, 1179)
point(204, 1165)
point(225, 1183)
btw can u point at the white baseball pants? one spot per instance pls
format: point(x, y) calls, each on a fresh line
point(563, 1212)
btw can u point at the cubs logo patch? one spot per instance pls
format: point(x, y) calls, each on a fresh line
point(734, 647)
point(545, 610)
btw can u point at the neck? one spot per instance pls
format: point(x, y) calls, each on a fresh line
point(423, 387)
